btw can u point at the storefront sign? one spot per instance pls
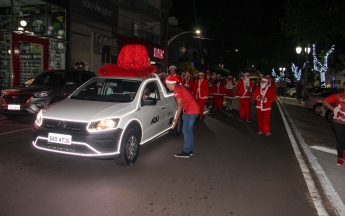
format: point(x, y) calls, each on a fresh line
point(158, 53)
point(100, 41)
point(96, 7)
point(102, 10)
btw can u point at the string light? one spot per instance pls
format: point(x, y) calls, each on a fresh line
point(296, 73)
point(318, 66)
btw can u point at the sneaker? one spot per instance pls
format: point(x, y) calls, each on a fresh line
point(260, 133)
point(182, 154)
point(268, 134)
point(249, 121)
point(340, 162)
point(191, 153)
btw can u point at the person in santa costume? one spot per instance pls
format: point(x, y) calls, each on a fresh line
point(187, 103)
point(243, 92)
point(230, 85)
point(172, 72)
point(188, 81)
point(161, 77)
point(271, 83)
point(201, 92)
point(264, 97)
point(218, 92)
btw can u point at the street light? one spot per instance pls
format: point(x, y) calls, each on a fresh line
point(171, 39)
point(306, 52)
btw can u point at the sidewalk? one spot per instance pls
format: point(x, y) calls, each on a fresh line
point(322, 159)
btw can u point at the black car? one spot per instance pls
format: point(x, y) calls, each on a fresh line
point(43, 89)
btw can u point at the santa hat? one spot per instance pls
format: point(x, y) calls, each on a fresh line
point(187, 73)
point(246, 74)
point(264, 79)
point(171, 80)
point(172, 66)
point(218, 75)
point(160, 74)
point(201, 73)
point(229, 76)
point(268, 76)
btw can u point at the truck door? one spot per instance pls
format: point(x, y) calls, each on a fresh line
point(153, 115)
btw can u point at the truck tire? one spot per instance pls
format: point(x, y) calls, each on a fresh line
point(129, 149)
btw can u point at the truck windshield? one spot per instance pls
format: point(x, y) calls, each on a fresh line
point(108, 90)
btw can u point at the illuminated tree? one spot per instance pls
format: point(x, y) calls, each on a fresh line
point(322, 68)
point(296, 73)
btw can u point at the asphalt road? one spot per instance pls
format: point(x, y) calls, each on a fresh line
point(234, 171)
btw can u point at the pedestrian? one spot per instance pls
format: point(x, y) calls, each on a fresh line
point(299, 89)
point(264, 97)
point(186, 102)
point(210, 79)
point(230, 85)
point(172, 72)
point(243, 92)
point(189, 81)
point(218, 92)
point(336, 103)
point(282, 88)
point(201, 93)
point(271, 83)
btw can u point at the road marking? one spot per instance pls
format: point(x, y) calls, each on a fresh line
point(324, 149)
point(314, 194)
point(14, 131)
point(333, 196)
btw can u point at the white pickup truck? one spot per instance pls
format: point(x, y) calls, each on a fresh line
point(108, 117)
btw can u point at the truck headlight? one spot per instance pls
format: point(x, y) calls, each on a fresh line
point(41, 94)
point(103, 125)
point(38, 120)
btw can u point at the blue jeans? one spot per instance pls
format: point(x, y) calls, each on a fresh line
point(187, 130)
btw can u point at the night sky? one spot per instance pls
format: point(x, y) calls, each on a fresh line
point(252, 26)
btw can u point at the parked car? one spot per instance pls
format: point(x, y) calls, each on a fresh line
point(315, 90)
point(108, 117)
point(43, 89)
point(315, 101)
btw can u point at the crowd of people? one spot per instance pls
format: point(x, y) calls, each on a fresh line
point(195, 92)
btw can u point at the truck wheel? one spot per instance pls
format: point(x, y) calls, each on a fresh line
point(178, 128)
point(129, 150)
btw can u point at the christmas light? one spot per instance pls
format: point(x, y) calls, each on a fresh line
point(319, 67)
point(296, 73)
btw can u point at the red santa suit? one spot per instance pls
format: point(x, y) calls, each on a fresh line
point(264, 97)
point(188, 81)
point(201, 92)
point(218, 92)
point(271, 84)
point(229, 88)
point(243, 92)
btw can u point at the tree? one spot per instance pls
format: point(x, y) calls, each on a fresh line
point(312, 21)
point(186, 66)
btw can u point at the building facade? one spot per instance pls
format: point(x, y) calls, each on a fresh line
point(38, 35)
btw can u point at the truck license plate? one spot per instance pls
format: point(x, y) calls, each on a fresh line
point(60, 138)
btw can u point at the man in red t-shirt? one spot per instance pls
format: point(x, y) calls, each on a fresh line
point(336, 103)
point(187, 102)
